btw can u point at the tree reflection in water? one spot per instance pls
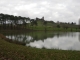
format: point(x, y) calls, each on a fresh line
point(62, 40)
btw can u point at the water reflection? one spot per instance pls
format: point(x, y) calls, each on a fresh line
point(19, 37)
point(79, 36)
point(49, 40)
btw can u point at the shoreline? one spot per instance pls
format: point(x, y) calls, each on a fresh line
point(11, 51)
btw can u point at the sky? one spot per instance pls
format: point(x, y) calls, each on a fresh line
point(52, 10)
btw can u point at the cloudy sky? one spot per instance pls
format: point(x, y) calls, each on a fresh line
point(55, 10)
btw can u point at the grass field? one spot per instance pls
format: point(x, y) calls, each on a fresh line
point(10, 51)
point(48, 28)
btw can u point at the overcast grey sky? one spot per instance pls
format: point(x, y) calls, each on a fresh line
point(56, 10)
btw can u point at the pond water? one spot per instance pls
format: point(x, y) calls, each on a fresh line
point(48, 40)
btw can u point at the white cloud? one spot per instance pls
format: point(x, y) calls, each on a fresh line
point(62, 10)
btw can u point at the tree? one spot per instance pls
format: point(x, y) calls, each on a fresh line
point(58, 26)
point(32, 22)
point(45, 23)
point(35, 22)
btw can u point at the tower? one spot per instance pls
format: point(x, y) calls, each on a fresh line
point(43, 18)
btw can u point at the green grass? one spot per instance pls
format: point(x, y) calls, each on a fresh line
point(10, 51)
point(49, 28)
point(53, 26)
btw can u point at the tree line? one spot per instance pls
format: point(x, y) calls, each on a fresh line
point(12, 22)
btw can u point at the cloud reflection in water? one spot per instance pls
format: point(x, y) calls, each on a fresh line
point(61, 42)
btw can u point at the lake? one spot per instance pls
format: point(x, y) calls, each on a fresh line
point(48, 40)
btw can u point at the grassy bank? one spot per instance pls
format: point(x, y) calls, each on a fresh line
point(10, 51)
point(49, 28)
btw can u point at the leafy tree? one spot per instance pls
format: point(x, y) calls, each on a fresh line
point(45, 23)
point(58, 26)
point(35, 22)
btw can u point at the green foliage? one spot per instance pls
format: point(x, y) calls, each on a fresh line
point(58, 26)
point(21, 23)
